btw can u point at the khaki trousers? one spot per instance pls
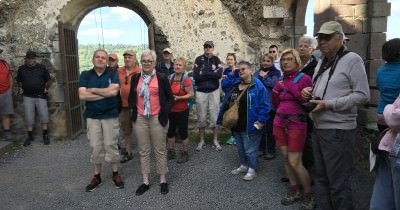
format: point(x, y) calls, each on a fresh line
point(150, 134)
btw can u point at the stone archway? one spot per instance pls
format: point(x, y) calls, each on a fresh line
point(69, 20)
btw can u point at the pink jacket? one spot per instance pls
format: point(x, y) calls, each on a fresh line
point(287, 99)
point(391, 114)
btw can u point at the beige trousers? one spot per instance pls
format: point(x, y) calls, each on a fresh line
point(151, 135)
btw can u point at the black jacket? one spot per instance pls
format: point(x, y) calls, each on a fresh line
point(165, 96)
point(211, 72)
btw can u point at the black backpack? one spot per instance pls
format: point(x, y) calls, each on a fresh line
point(112, 72)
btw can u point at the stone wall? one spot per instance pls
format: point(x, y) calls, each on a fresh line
point(242, 26)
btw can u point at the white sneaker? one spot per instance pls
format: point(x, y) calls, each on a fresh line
point(250, 175)
point(217, 146)
point(241, 169)
point(200, 146)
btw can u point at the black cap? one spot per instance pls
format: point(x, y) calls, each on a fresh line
point(30, 55)
point(208, 43)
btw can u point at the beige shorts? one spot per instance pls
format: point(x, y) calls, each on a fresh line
point(103, 138)
point(207, 102)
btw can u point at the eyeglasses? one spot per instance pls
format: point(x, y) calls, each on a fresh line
point(326, 37)
point(146, 61)
point(272, 51)
point(286, 59)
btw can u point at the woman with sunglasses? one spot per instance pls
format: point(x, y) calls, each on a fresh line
point(150, 101)
point(269, 75)
point(290, 127)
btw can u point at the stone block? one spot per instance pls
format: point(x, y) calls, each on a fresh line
point(343, 10)
point(371, 66)
point(333, 2)
point(357, 44)
point(375, 45)
point(378, 9)
point(348, 24)
point(374, 96)
point(275, 12)
point(360, 11)
point(300, 30)
point(377, 24)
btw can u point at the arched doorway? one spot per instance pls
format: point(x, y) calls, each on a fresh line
point(68, 23)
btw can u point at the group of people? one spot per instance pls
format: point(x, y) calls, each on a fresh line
point(294, 97)
point(34, 80)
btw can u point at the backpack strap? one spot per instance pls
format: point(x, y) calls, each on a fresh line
point(298, 77)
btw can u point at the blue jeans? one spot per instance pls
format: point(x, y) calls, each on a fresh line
point(386, 192)
point(247, 146)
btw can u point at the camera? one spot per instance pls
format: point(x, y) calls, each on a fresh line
point(309, 106)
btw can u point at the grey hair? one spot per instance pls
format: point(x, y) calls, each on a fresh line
point(100, 50)
point(311, 41)
point(149, 52)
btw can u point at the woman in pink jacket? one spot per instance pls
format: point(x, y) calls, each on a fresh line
point(386, 192)
point(290, 127)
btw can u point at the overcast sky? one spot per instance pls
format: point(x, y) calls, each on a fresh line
point(117, 25)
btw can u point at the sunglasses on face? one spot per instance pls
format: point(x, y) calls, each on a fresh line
point(111, 59)
point(207, 46)
point(272, 51)
point(326, 37)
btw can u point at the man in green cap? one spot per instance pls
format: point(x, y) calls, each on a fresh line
point(341, 85)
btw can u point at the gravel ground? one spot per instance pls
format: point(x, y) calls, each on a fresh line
point(55, 176)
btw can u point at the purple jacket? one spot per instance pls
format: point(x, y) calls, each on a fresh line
point(287, 100)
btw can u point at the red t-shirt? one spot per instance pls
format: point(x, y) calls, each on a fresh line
point(5, 73)
point(178, 90)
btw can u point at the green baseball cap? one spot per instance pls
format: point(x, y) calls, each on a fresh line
point(330, 28)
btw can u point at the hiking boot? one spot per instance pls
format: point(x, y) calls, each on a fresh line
point(183, 158)
point(126, 157)
point(119, 184)
point(171, 154)
point(200, 146)
point(94, 184)
point(7, 136)
point(46, 139)
point(291, 197)
point(217, 146)
point(241, 169)
point(308, 203)
point(250, 175)
point(27, 141)
point(231, 141)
